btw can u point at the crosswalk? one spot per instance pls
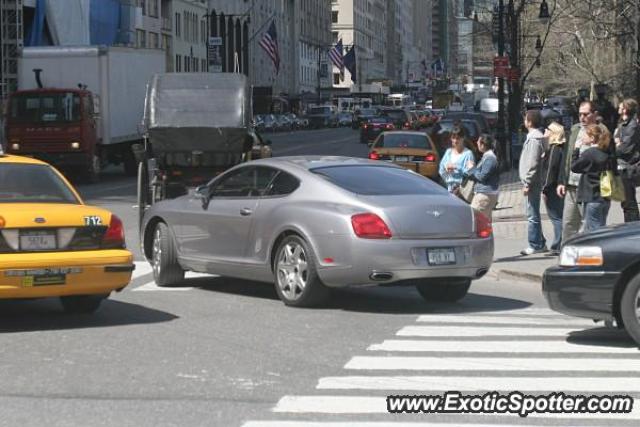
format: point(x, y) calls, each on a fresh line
point(535, 351)
point(142, 280)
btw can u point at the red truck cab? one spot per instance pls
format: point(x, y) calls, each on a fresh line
point(58, 126)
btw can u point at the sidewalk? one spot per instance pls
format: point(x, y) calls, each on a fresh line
point(510, 233)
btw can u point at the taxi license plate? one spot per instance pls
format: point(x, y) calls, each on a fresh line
point(401, 159)
point(37, 241)
point(52, 279)
point(442, 256)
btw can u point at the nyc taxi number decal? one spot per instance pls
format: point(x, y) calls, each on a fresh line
point(92, 220)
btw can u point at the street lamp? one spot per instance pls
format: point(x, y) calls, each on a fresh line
point(544, 10)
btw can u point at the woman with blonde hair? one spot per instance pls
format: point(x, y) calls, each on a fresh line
point(553, 162)
point(591, 163)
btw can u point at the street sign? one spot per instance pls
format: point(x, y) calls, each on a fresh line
point(501, 66)
point(514, 74)
point(214, 56)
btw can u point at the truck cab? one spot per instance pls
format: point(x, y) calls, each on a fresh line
point(58, 126)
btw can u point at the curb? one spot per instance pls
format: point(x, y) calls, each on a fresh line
point(499, 274)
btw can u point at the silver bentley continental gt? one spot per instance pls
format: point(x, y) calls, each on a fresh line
point(314, 223)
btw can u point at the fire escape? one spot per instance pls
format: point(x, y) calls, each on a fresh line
point(10, 45)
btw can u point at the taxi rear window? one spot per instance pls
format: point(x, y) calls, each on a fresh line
point(403, 140)
point(29, 183)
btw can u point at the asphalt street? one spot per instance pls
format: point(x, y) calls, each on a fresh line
point(224, 352)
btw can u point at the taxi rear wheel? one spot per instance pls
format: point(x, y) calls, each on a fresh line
point(164, 260)
point(443, 290)
point(78, 304)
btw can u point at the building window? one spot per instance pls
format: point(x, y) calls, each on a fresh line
point(336, 79)
point(187, 64)
point(334, 16)
point(178, 63)
point(141, 38)
point(196, 65)
point(153, 8)
point(154, 40)
point(142, 4)
point(186, 26)
point(178, 24)
point(203, 67)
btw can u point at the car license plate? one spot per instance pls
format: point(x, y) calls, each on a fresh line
point(442, 256)
point(37, 241)
point(401, 159)
point(51, 279)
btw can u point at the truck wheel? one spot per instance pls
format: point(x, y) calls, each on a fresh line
point(92, 173)
point(129, 162)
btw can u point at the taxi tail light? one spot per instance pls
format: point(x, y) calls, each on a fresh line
point(430, 157)
point(389, 126)
point(364, 126)
point(374, 156)
point(483, 225)
point(114, 236)
point(370, 226)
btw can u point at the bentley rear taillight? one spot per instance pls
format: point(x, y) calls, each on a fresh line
point(483, 225)
point(370, 226)
point(374, 156)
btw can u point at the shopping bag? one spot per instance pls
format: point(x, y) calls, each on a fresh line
point(467, 190)
point(611, 186)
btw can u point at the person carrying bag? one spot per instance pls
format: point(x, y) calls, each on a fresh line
point(483, 180)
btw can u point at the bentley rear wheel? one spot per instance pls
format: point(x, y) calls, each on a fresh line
point(164, 259)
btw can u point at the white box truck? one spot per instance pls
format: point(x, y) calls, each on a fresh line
point(80, 108)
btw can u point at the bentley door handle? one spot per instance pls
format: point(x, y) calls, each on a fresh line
point(245, 211)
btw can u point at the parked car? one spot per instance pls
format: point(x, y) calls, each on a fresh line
point(411, 150)
point(284, 124)
point(374, 127)
point(54, 245)
point(362, 116)
point(345, 118)
point(269, 123)
point(598, 277)
point(299, 122)
point(364, 236)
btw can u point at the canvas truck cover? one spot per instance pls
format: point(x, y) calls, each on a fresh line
point(206, 112)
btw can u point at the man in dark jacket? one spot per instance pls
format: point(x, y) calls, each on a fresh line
point(568, 181)
point(628, 154)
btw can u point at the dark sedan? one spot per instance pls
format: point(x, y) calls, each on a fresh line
point(362, 116)
point(598, 277)
point(374, 127)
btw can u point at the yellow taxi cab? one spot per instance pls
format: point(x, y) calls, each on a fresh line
point(52, 244)
point(410, 149)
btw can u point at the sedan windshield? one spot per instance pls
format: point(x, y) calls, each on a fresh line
point(27, 183)
point(403, 140)
point(378, 180)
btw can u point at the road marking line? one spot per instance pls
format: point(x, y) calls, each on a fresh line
point(430, 383)
point(480, 330)
point(142, 269)
point(375, 424)
point(508, 320)
point(378, 405)
point(532, 347)
point(501, 364)
point(151, 286)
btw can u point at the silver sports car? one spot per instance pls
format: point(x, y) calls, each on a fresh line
point(313, 223)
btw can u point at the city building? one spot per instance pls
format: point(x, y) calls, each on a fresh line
point(422, 39)
point(187, 46)
point(361, 23)
point(464, 41)
point(445, 33)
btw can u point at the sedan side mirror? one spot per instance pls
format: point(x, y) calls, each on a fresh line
point(202, 193)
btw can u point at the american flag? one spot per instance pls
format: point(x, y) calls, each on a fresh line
point(336, 56)
point(269, 43)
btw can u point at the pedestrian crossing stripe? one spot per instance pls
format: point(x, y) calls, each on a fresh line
point(143, 269)
point(499, 364)
point(478, 330)
point(626, 384)
point(344, 405)
point(536, 347)
point(508, 319)
point(375, 424)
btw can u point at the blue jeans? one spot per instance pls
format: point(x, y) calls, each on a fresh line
point(595, 215)
point(536, 238)
point(555, 207)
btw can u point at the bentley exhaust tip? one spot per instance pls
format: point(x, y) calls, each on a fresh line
point(481, 272)
point(380, 276)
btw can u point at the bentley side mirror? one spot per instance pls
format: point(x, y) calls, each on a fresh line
point(202, 193)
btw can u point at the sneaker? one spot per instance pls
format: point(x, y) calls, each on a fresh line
point(531, 251)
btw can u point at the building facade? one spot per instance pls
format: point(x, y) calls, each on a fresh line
point(312, 27)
